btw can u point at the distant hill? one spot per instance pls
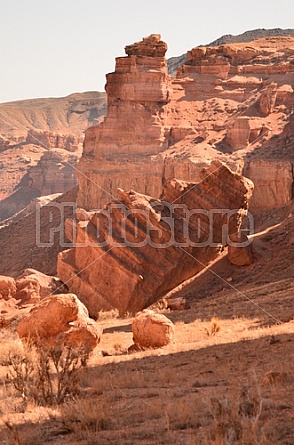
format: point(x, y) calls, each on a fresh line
point(247, 36)
point(69, 115)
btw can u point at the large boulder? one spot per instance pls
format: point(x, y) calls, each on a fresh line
point(7, 287)
point(153, 245)
point(60, 320)
point(152, 330)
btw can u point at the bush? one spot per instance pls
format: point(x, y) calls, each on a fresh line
point(47, 376)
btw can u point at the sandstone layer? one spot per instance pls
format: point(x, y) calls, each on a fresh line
point(226, 103)
point(153, 245)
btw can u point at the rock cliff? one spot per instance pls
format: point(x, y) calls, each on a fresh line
point(134, 130)
point(226, 103)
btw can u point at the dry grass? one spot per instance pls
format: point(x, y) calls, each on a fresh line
point(198, 390)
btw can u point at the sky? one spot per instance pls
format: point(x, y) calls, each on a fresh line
point(52, 48)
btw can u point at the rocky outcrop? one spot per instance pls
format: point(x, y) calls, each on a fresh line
point(232, 97)
point(40, 235)
point(239, 250)
point(151, 330)
point(152, 245)
point(274, 182)
point(133, 131)
point(33, 283)
point(60, 320)
point(54, 173)
point(244, 131)
point(49, 140)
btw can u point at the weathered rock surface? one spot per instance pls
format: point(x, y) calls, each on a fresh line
point(153, 245)
point(240, 250)
point(46, 284)
point(7, 287)
point(33, 233)
point(54, 173)
point(60, 320)
point(244, 131)
point(275, 183)
point(49, 139)
point(234, 96)
point(133, 130)
point(151, 330)
point(28, 290)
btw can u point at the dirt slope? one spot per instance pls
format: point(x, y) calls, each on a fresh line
point(20, 242)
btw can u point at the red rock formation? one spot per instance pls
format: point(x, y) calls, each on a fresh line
point(133, 130)
point(147, 242)
point(232, 96)
point(244, 131)
point(48, 139)
point(54, 173)
point(275, 181)
point(239, 250)
point(7, 287)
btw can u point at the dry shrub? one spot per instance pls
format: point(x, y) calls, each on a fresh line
point(9, 344)
point(237, 421)
point(47, 376)
point(214, 327)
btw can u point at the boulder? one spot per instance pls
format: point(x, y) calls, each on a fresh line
point(151, 330)
point(60, 320)
point(47, 284)
point(153, 245)
point(7, 287)
point(28, 290)
point(239, 250)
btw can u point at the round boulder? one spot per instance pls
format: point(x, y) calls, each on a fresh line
point(60, 320)
point(151, 330)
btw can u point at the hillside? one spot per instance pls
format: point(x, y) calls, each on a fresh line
point(70, 114)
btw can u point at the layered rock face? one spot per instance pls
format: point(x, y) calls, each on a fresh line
point(133, 130)
point(275, 183)
point(230, 98)
point(152, 245)
point(49, 139)
point(54, 173)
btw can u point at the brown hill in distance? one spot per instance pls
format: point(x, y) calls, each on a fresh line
point(70, 114)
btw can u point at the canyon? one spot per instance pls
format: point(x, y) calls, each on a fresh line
point(168, 225)
point(229, 105)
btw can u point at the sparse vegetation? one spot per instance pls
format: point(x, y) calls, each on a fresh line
point(214, 327)
point(198, 391)
point(46, 375)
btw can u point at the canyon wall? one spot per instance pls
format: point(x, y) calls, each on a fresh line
point(49, 140)
point(226, 103)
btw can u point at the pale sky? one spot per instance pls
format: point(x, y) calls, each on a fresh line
point(52, 48)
